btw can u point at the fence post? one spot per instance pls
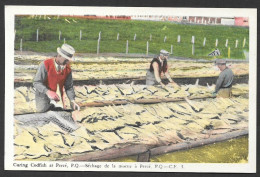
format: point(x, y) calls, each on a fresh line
point(147, 48)
point(37, 35)
point(236, 43)
point(59, 35)
point(21, 45)
point(126, 47)
point(99, 35)
point(228, 52)
point(171, 49)
point(98, 46)
point(193, 39)
point(117, 38)
point(193, 49)
point(80, 35)
point(165, 37)
point(64, 40)
point(226, 43)
point(244, 42)
point(204, 42)
point(216, 42)
point(150, 37)
point(134, 37)
point(179, 37)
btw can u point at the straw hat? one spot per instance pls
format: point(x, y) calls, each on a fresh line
point(66, 51)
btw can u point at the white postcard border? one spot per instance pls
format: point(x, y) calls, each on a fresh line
point(11, 164)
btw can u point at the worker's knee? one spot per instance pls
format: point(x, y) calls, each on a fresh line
point(42, 108)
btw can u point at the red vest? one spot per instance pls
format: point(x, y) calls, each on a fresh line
point(54, 77)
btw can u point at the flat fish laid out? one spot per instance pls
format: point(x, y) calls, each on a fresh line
point(108, 67)
point(108, 127)
point(25, 103)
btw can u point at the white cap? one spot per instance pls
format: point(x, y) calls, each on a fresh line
point(164, 52)
point(220, 61)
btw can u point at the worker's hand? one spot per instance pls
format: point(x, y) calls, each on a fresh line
point(75, 106)
point(175, 85)
point(53, 95)
point(214, 94)
point(163, 86)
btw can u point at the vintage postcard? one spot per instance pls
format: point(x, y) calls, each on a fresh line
point(130, 89)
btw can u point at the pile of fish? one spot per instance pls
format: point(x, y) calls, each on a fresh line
point(113, 68)
point(24, 97)
point(102, 128)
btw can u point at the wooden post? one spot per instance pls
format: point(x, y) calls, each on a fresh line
point(226, 43)
point(64, 40)
point(117, 38)
point(80, 35)
point(21, 45)
point(99, 35)
point(126, 47)
point(150, 37)
point(204, 42)
point(179, 38)
point(37, 35)
point(165, 37)
point(171, 49)
point(216, 42)
point(229, 52)
point(244, 42)
point(98, 46)
point(236, 43)
point(59, 35)
point(193, 49)
point(147, 48)
point(193, 39)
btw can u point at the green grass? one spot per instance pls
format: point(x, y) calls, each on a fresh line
point(49, 36)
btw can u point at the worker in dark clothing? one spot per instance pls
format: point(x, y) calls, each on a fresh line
point(158, 67)
point(224, 83)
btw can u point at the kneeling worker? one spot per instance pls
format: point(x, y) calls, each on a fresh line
point(157, 67)
point(54, 73)
point(224, 83)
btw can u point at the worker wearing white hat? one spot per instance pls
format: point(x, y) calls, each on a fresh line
point(157, 67)
point(52, 77)
point(224, 82)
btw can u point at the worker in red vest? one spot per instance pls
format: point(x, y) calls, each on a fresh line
point(55, 73)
